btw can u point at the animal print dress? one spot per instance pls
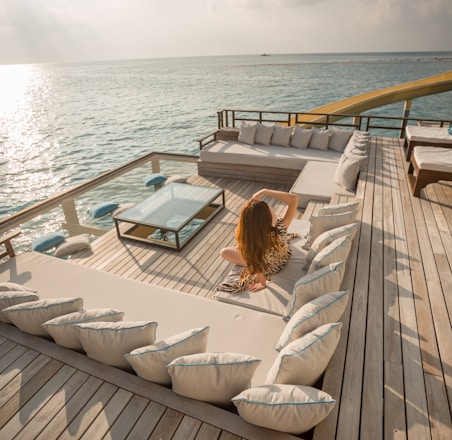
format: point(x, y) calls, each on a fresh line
point(240, 277)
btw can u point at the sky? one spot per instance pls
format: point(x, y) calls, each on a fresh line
point(35, 31)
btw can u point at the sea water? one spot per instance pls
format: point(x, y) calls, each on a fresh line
point(61, 124)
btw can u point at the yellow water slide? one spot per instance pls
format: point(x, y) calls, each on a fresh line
point(378, 98)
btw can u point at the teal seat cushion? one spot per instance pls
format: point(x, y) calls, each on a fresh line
point(47, 241)
point(154, 179)
point(102, 209)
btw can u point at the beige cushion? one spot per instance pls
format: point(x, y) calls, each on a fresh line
point(304, 360)
point(433, 158)
point(108, 342)
point(320, 311)
point(62, 328)
point(320, 139)
point(288, 408)
point(212, 377)
point(72, 245)
point(338, 250)
point(30, 316)
point(247, 132)
point(300, 137)
point(347, 172)
point(338, 209)
point(339, 139)
point(322, 223)
point(151, 362)
point(328, 237)
point(263, 134)
point(281, 135)
point(325, 280)
point(8, 285)
point(125, 206)
point(10, 298)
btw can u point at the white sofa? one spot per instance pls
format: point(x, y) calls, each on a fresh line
point(306, 159)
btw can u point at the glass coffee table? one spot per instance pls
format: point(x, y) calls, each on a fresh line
point(171, 216)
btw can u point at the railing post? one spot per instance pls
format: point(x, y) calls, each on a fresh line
point(70, 212)
point(155, 165)
point(406, 114)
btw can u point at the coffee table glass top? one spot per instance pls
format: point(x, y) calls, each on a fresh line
point(172, 215)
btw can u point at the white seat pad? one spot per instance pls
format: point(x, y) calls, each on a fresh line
point(433, 158)
point(426, 134)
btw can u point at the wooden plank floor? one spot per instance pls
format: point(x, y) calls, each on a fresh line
point(391, 373)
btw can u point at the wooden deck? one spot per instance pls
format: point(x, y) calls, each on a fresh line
point(391, 374)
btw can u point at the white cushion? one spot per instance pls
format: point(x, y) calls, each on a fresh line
point(263, 134)
point(325, 280)
point(338, 209)
point(72, 245)
point(10, 298)
point(108, 342)
point(304, 360)
point(300, 137)
point(319, 139)
point(125, 206)
point(288, 408)
point(338, 250)
point(30, 316)
point(151, 362)
point(8, 285)
point(347, 172)
point(322, 223)
point(212, 377)
point(62, 328)
point(320, 311)
point(247, 132)
point(328, 237)
point(339, 139)
point(281, 135)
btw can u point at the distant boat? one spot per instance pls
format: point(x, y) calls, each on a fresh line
point(265, 55)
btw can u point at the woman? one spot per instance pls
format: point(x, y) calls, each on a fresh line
point(262, 242)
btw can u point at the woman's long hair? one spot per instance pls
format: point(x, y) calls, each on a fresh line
point(255, 234)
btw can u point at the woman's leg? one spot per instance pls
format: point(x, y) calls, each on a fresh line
point(233, 255)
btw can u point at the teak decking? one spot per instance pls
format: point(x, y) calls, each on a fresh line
point(391, 374)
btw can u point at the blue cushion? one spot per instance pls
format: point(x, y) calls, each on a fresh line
point(47, 241)
point(154, 179)
point(102, 209)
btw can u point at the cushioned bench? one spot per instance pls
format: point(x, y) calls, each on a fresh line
point(422, 136)
point(429, 164)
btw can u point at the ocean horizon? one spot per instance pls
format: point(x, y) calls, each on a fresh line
point(64, 123)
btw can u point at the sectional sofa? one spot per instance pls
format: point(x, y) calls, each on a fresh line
point(264, 353)
point(317, 163)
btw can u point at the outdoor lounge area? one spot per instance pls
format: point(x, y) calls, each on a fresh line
point(390, 374)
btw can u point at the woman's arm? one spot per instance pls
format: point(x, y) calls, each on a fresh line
point(290, 199)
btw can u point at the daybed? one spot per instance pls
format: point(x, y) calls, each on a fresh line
point(421, 136)
point(240, 342)
point(311, 160)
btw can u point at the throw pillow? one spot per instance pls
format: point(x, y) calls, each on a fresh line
point(47, 241)
point(10, 298)
point(72, 245)
point(124, 207)
point(247, 132)
point(328, 237)
point(304, 360)
point(62, 328)
point(102, 209)
point(338, 250)
point(288, 408)
point(263, 134)
point(339, 139)
point(154, 179)
point(108, 342)
point(151, 362)
point(300, 137)
point(322, 223)
point(30, 316)
point(281, 135)
point(311, 286)
point(320, 311)
point(319, 139)
point(8, 286)
point(338, 209)
point(347, 173)
point(212, 377)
